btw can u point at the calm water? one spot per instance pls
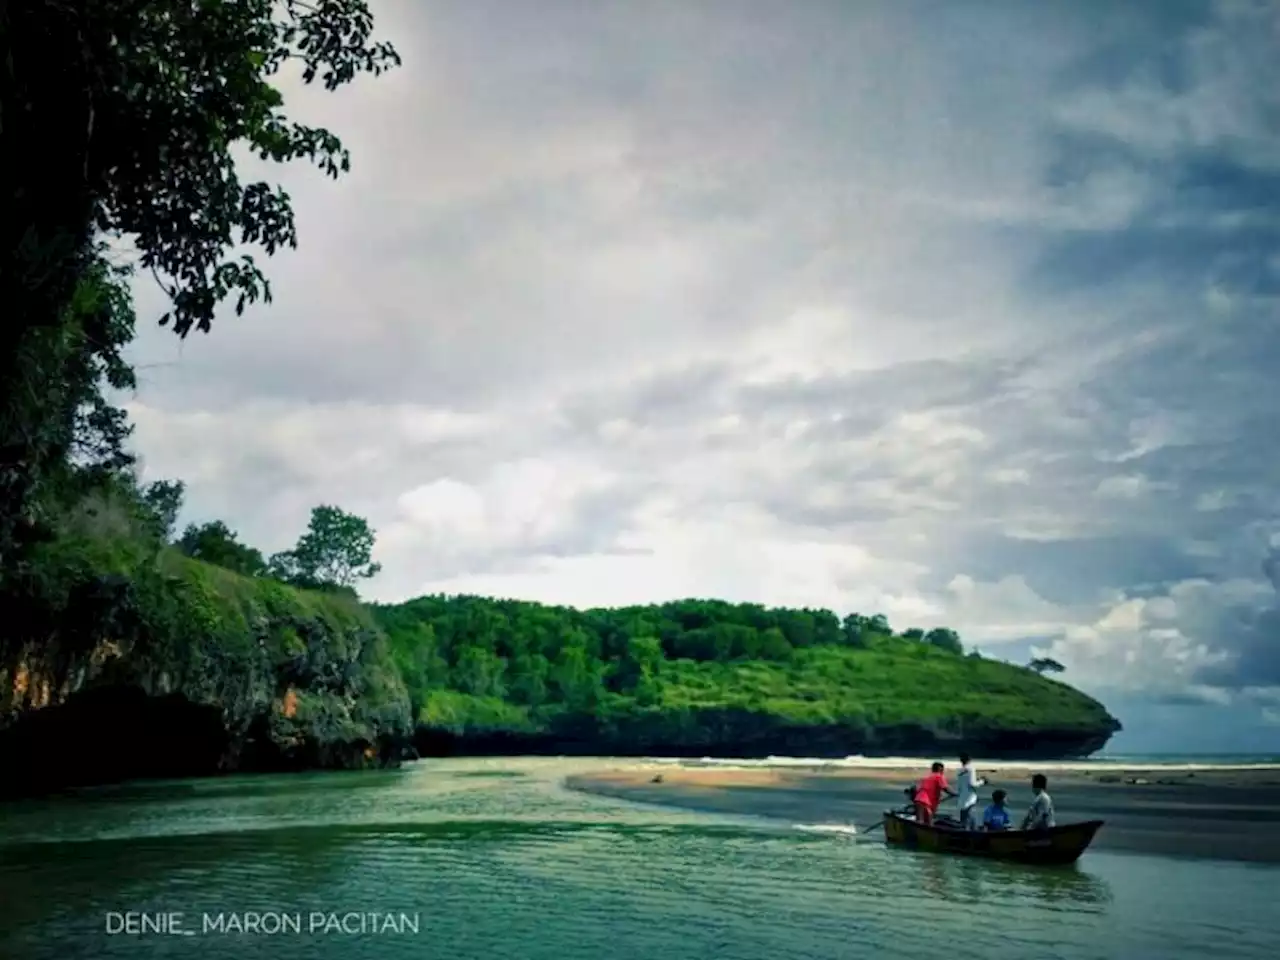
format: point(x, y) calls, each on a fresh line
point(496, 860)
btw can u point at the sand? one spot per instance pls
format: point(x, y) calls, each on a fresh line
point(1230, 813)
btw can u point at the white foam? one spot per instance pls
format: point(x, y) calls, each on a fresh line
point(843, 829)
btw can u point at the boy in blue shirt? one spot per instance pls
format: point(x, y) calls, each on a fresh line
point(996, 817)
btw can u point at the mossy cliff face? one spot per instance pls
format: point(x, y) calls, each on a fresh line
point(136, 662)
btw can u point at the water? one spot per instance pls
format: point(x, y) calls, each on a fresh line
point(495, 859)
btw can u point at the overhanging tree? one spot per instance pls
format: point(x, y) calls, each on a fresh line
point(119, 118)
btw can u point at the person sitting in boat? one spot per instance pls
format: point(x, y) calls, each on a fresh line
point(929, 794)
point(1040, 816)
point(996, 817)
point(908, 809)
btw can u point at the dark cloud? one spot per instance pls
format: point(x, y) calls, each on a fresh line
point(1252, 636)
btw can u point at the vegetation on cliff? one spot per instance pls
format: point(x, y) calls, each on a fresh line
point(703, 674)
point(154, 662)
point(122, 125)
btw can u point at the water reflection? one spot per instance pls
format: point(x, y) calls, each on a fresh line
point(972, 880)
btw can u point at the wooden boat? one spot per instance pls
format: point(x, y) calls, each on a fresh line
point(1056, 845)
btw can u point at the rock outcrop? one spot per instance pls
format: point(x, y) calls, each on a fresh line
point(189, 669)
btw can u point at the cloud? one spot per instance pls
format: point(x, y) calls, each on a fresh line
point(963, 316)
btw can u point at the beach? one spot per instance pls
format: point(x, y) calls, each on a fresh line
point(1190, 810)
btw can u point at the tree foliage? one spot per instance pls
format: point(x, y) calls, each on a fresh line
point(170, 93)
point(163, 500)
point(336, 550)
point(218, 544)
point(679, 669)
point(123, 119)
point(1045, 665)
point(945, 639)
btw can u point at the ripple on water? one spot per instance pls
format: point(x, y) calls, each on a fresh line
point(514, 866)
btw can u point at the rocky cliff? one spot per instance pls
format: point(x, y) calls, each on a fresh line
point(130, 662)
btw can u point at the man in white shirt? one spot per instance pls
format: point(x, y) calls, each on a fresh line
point(1040, 816)
point(967, 784)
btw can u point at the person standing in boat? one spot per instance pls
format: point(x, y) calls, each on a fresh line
point(929, 794)
point(1040, 816)
point(967, 784)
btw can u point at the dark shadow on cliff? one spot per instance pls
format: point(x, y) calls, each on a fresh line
point(107, 735)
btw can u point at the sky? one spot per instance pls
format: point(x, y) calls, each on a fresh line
point(964, 313)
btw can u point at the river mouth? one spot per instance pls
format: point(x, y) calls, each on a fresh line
point(497, 857)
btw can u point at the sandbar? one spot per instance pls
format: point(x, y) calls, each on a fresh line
point(1228, 813)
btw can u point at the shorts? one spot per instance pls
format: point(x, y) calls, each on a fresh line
point(924, 813)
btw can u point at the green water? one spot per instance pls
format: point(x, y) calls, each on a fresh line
point(494, 859)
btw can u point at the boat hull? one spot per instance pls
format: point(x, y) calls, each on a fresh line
point(1057, 845)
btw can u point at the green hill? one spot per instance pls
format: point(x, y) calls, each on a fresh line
point(703, 676)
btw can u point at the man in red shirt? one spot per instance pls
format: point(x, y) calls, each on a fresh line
point(929, 794)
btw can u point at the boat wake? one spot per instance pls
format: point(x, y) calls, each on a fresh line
point(840, 829)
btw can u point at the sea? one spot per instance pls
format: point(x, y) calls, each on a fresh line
point(496, 858)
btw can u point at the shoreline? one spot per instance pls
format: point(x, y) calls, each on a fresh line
point(1218, 812)
point(856, 764)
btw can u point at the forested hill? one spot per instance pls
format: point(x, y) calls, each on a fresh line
point(698, 677)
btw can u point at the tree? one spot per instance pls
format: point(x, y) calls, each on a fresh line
point(163, 501)
point(217, 543)
point(641, 661)
point(913, 633)
point(852, 629)
point(336, 550)
point(945, 639)
point(99, 325)
point(162, 97)
point(1044, 665)
point(56, 424)
point(123, 119)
